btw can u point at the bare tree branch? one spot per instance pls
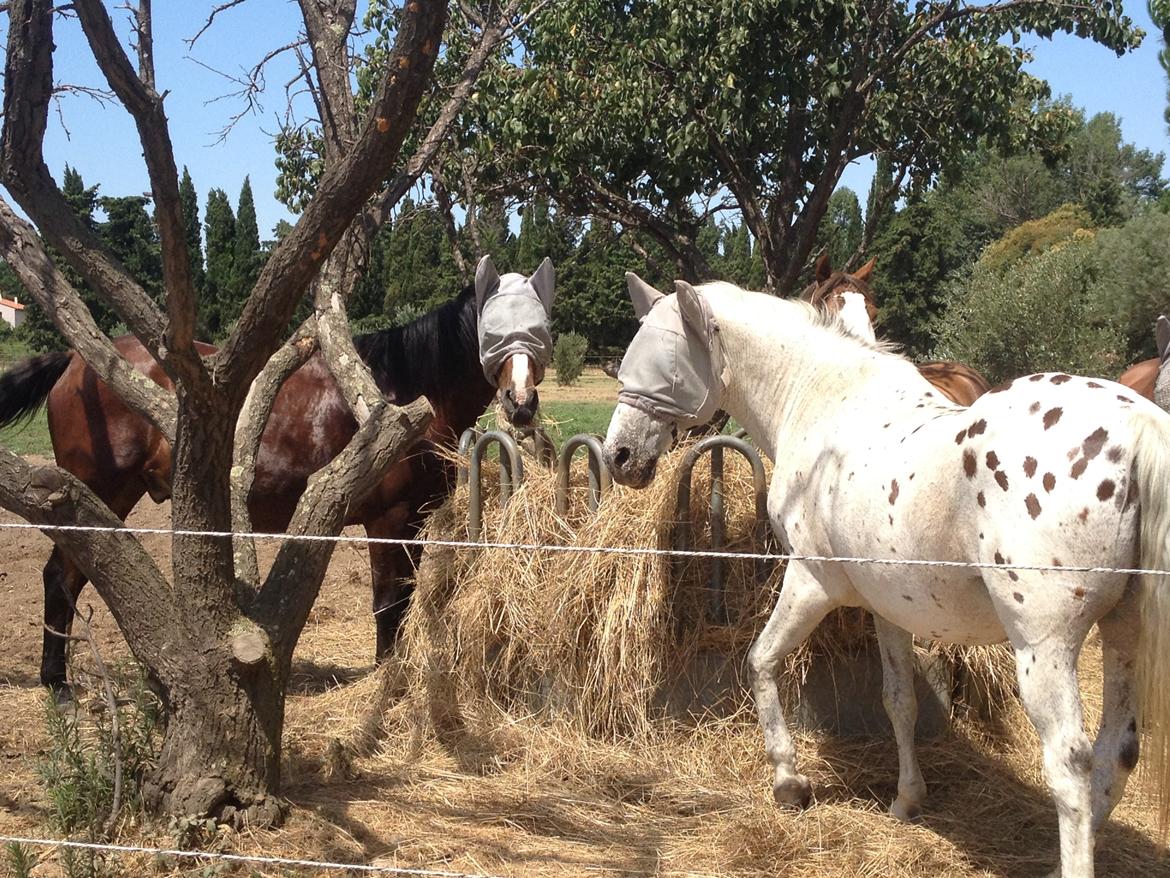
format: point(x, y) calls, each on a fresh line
point(343, 188)
point(22, 250)
point(250, 426)
point(143, 25)
point(146, 107)
point(437, 134)
point(28, 76)
point(322, 508)
point(252, 84)
point(222, 7)
point(121, 569)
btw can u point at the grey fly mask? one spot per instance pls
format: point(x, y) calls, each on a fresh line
point(514, 315)
point(674, 367)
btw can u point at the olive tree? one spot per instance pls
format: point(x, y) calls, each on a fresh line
point(216, 635)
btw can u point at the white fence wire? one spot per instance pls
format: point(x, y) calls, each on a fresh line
point(212, 856)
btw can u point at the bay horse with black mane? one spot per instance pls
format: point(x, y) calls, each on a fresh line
point(852, 298)
point(493, 338)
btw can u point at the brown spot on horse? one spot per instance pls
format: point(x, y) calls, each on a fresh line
point(1033, 505)
point(1049, 482)
point(969, 463)
point(1029, 466)
point(1052, 416)
point(1001, 479)
point(1105, 490)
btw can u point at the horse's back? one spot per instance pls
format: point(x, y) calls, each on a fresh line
point(1141, 377)
point(961, 384)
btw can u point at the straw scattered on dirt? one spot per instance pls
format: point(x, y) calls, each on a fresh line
point(526, 730)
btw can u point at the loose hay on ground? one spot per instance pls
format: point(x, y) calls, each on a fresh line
point(510, 786)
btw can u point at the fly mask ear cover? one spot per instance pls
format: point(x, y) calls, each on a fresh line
point(674, 367)
point(1162, 382)
point(513, 316)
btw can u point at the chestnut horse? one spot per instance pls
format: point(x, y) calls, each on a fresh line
point(492, 338)
point(852, 298)
point(1150, 377)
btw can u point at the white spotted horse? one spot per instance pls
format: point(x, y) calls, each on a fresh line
point(852, 298)
point(1046, 473)
point(492, 339)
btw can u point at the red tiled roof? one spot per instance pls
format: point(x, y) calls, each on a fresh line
point(15, 306)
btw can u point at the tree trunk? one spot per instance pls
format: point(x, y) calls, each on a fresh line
point(221, 750)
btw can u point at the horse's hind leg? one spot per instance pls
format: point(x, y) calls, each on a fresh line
point(802, 604)
point(897, 648)
point(63, 582)
point(1116, 751)
point(1047, 674)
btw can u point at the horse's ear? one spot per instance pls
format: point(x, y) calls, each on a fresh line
point(823, 269)
point(866, 271)
point(1162, 336)
point(487, 281)
point(691, 308)
point(642, 295)
point(543, 280)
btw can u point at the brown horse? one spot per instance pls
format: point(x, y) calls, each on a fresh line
point(493, 338)
point(1146, 376)
point(852, 297)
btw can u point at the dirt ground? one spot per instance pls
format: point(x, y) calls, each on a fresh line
point(522, 798)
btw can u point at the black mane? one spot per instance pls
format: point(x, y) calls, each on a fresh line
point(430, 356)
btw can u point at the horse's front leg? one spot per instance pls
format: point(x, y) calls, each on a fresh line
point(392, 569)
point(803, 603)
point(897, 648)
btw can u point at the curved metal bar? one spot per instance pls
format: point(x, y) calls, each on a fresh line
point(466, 441)
point(682, 532)
point(599, 478)
point(511, 475)
point(544, 447)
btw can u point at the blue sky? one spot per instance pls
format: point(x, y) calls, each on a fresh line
point(102, 144)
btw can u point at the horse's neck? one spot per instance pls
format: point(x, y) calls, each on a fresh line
point(789, 377)
point(438, 357)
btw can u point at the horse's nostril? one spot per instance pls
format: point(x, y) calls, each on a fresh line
point(510, 394)
point(622, 457)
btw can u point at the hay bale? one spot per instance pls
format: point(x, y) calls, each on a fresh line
point(603, 638)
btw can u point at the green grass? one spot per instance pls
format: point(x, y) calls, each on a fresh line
point(28, 437)
point(565, 419)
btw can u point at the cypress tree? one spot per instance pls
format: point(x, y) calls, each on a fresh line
point(220, 224)
point(189, 203)
point(247, 259)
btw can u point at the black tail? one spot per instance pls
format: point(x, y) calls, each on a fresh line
point(23, 388)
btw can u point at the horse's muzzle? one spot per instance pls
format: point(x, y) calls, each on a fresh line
point(520, 414)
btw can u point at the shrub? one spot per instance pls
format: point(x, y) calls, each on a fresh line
point(1044, 313)
point(1132, 264)
point(1036, 236)
point(569, 357)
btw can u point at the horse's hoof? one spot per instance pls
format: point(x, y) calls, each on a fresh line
point(906, 812)
point(793, 792)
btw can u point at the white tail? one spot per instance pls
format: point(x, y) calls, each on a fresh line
point(1153, 481)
